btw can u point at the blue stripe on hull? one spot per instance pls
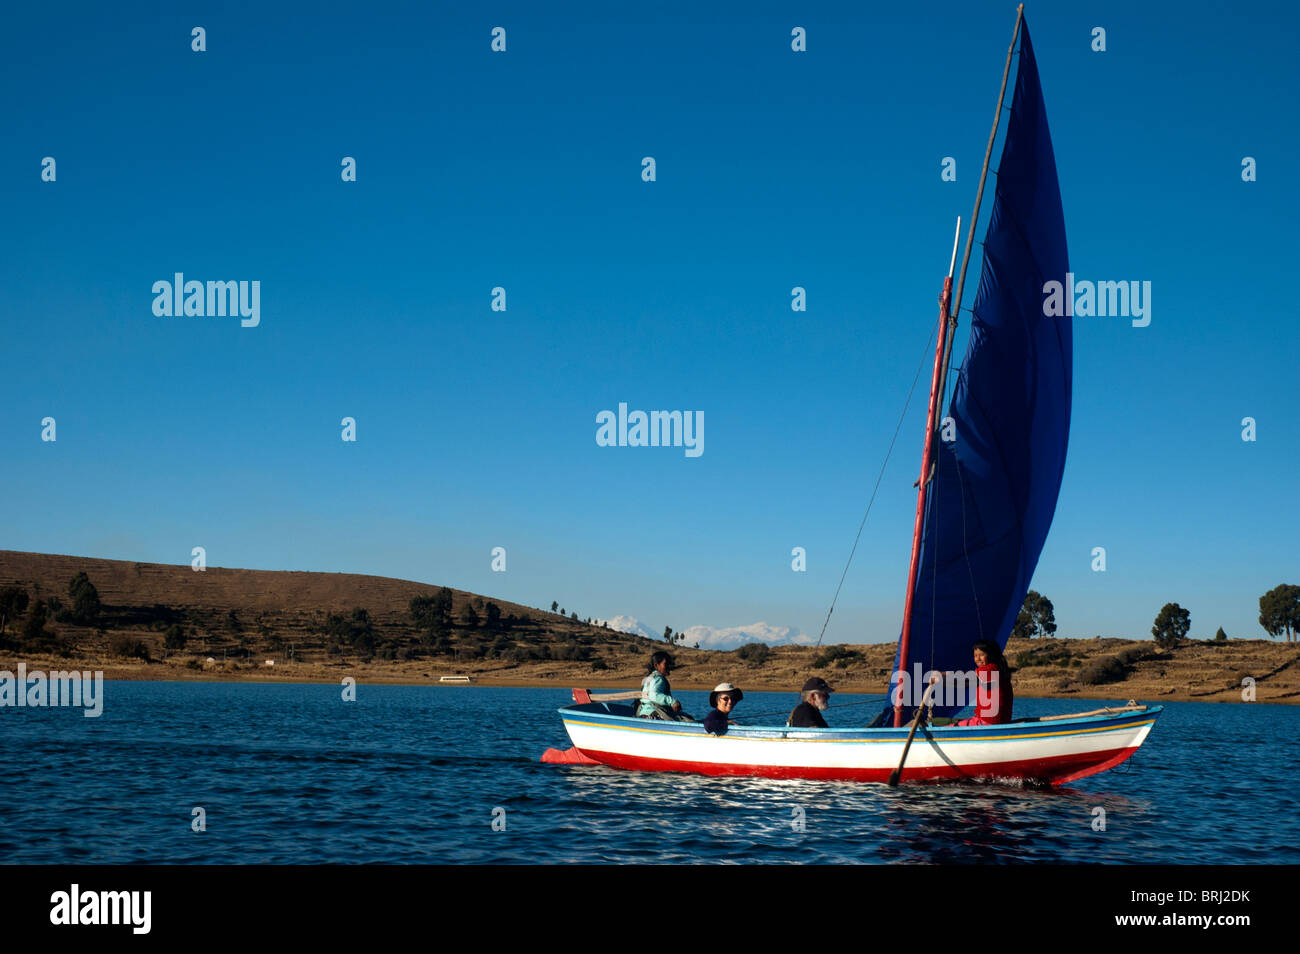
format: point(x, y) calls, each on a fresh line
point(593, 715)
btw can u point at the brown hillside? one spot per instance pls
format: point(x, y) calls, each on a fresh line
point(282, 592)
point(284, 616)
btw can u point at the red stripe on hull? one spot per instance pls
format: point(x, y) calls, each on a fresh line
point(1057, 770)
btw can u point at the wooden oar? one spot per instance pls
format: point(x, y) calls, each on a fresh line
point(615, 696)
point(895, 775)
point(1107, 711)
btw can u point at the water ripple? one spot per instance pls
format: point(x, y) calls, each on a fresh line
point(292, 774)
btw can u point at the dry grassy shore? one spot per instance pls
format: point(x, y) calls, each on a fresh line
point(280, 626)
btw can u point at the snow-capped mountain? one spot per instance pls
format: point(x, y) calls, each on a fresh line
point(716, 637)
point(629, 624)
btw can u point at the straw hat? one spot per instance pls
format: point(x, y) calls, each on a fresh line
point(736, 694)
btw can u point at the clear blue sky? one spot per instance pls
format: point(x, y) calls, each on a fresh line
point(775, 169)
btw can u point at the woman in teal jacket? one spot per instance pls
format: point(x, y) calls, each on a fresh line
point(657, 701)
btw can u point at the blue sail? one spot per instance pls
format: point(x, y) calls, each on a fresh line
point(995, 487)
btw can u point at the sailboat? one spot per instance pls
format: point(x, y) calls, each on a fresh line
point(991, 471)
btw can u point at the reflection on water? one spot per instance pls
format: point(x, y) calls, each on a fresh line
point(292, 774)
point(843, 822)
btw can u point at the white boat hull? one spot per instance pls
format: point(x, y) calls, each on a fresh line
point(1054, 752)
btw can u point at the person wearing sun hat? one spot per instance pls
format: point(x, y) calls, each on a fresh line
point(722, 700)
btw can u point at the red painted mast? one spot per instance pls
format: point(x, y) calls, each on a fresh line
point(927, 457)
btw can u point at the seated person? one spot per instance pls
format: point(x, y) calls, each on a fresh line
point(657, 701)
point(816, 695)
point(993, 695)
point(722, 700)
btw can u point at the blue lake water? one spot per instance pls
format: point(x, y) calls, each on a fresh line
point(293, 774)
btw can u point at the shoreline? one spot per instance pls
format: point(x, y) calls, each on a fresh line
point(284, 675)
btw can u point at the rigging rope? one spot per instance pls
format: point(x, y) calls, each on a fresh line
point(919, 368)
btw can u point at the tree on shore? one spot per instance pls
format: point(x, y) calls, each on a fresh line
point(13, 603)
point(1037, 617)
point(432, 612)
point(1279, 611)
point(493, 617)
point(129, 648)
point(554, 605)
point(1220, 636)
point(356, 631)
point(85, 601)
point(34, 628)
point(175, 637)
point(1171, 625)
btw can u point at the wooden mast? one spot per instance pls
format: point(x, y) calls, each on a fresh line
point(923, 483)
point(938, 380)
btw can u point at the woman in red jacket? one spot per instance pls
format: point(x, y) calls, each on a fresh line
point(993, 695)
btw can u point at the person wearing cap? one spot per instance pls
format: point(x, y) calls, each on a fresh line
point(807, 714)
point(721, 700)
